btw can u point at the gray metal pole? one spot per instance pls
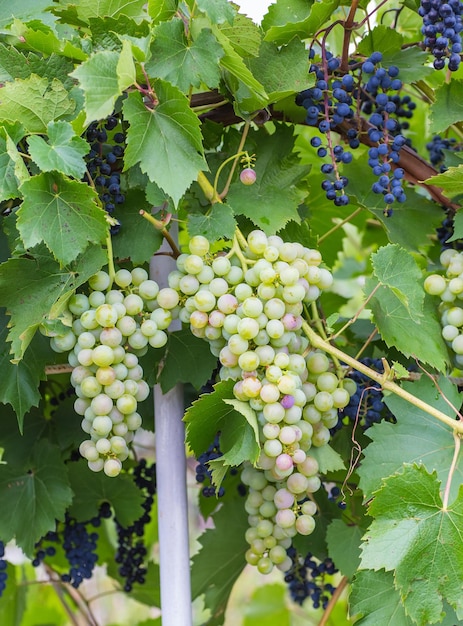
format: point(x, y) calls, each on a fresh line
point(174, 551)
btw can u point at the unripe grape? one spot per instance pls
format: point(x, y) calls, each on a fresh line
point(99, 281)
point(248, 176)
point(102, 356)
point(305, 524)
point(96, 299)
point(112, 467)
point(102, 425)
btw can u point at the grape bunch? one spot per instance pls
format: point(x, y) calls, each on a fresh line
point(442, 25)
point(335, 100)
point(109, 331)
point(79, 543)
point(131, 552)
point(104, 163)
point(436, 148)
point(249, 306)
point(449, 289)
point(307, 579)
point(366, 406)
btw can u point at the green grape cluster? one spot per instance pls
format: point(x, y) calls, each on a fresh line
point(249, 305)
point(449, 288)
point(111, 328)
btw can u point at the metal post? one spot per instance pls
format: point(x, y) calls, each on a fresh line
point(174, 552)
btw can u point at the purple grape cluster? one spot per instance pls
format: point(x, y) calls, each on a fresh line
point(334, 100)
point(131, 553)
point(306, 579)
point(104, 163)
point(442, 25)
point(3, 566)
point(366, 406)
point(203, 472)
point(436, 148)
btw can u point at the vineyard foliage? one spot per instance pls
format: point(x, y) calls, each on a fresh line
point(306, 175)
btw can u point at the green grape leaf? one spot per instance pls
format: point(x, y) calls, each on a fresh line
point(9, 180)
point(344, 546)
point(30, 289)
point(422, 340)
point(218, 11)
point(43, 39)
point(273, 199)
point(328, 459)
point(249, 92)
point(244, 35)
point(449, 181)
point(33, 497)
point(374, 600)
point(19, 384)
point(240, 442)
point(23, 9)
point(283, 71)
point(161, 10)
point(419, 538)
point(412, 63)
point(217, 223)
point(417, 436)
point(267, 607)
point(62, 213)
point(134, 228)
point(398, 271)
point(165, 140)
point(111, 8)
point(13, 64)
point(206, 416)
point(447, 108)
point(216, 576)
point(380, 39)
point(102, 82)
point(34, 102)
point(457, 227)
point(301, 19)
point(185, 62)
point(187, 360)
point(91, 489)
point(64, 151)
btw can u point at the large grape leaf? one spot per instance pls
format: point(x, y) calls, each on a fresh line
point(19, 383)
point(62, 213)
point(287, 19)
point(135, 228)
point(416, 438)
point(283, 71)
point(110, 8)
point(23, 9)
point(374, 600)
point(398, 271)
point(34, 496)
point(245, 36)
point(103, 78)
point(240, 441)
point(9, 174)
point(273, 199)
point(187, 360)
point(165, 140)
point(217, 223)
point(344, 545)
point(209, 414)
point(422, 340)
point(447, 107)
point(221, 559)
point(92, 489)
point(63, 151)
point(185, 62)
point(421, 540)
point(449, 181)
point(34, 102)
point(31, 288)
point(218, 11)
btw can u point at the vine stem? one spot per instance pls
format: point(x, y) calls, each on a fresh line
point(340, 224)
point(456, 453)
point(332, 603)
point(244, 135)
point(348, 26)
point(111, 268)
point(222, 165)
point(317, 342)
point(161, 226)
point(356, 316)
point(208, 190)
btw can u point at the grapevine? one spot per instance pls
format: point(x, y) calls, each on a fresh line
point(231, 276)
